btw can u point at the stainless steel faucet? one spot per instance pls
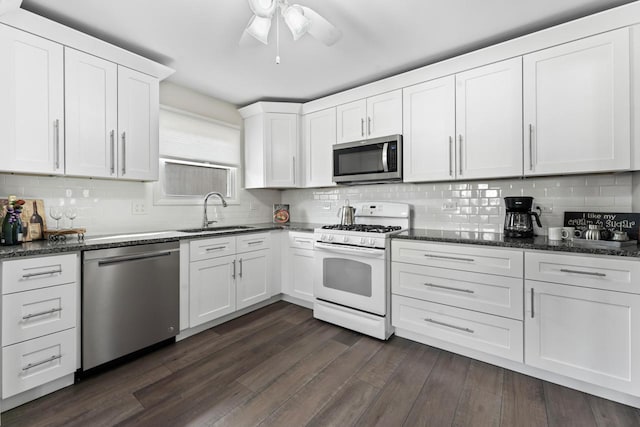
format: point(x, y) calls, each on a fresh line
point(205, 219)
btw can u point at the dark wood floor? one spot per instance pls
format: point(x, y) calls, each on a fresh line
point(280, 367)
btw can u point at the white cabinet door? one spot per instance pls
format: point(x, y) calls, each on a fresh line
point(489, 120)
point(587, 334)
point(576, 106)
point(319, 131)
point(138, 125)
point(384, 114)
point(31, 104)
point(301, 274)
point(253, 283)
point(351, 120)
point(91, 113)
point(281, 149)
point(212, 289)
point(428, 131)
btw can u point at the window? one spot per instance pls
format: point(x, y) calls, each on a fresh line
point(197, 155)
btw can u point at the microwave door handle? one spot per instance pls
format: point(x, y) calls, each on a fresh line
point(385, 159)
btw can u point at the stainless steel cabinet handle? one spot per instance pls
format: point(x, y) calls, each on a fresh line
point(240, 262)
point(532, 298)
point(124, 153)
point(450, 257)
point(56, 142)
point(119, 259)
point(215, 248)
point(255, 242)
point(42, 273)
point(435, 322)
point(33, 365)
point(460, 152)
point(450, 156)
point(112, 137)
point(42, 313)
point(362, 127)
point(433, 285)
point(233, 275)
point(530, 147)
point(369, 126)
point(587, 273)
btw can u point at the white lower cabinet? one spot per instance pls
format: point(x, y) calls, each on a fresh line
point(298, 266)
point(227, 274)
point(586, 334)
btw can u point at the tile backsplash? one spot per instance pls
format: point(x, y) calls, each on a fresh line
point(473, 205)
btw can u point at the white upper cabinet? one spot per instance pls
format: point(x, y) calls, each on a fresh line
point(373, 117)
point(428, 131)
point(489, 120)
point(319, 136)
point(91, 102)
point(31, 104)
point(576, 106)
point(138, 125)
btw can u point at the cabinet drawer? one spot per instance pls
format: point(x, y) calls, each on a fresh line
point(34, 273)
point(582, 270)
point(212, 248)
point(498, 295)
point(503, 262)
point(299, 240)
point(253, 242)
point(31, 314)
point(38, 361)
point(482, 332)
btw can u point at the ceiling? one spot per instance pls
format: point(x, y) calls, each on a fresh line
point(199, 39)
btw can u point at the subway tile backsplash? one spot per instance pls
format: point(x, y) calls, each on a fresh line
point(472, 206)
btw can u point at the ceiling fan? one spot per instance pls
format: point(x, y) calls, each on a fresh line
point(301, 20)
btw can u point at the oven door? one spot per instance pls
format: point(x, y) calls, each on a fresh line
point(351, 276)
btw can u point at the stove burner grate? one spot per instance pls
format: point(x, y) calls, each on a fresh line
point(366, 228)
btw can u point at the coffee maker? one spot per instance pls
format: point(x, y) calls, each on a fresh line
point(517, 221)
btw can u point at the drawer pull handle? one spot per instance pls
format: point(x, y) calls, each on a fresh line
point(42, 273)
point(42, 313)
point(255, 242)
point(450, 257)
point(449, 288)
point(588, 273)
point(471, 331)
point(33, 365)
point(215, 248)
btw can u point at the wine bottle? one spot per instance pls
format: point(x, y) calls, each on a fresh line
point(35, 224)
point(7, 228)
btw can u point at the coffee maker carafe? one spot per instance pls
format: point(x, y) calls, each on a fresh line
point(517, 221)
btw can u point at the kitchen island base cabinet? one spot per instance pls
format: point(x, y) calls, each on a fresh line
point(587, 334)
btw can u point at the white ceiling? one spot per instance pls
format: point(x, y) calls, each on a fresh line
point(199, 39)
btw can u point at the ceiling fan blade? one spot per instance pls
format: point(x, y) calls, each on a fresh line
point(7, 6)
point(320, 28)
point(263, 8)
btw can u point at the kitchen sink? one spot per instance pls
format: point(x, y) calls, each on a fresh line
point(228, 229)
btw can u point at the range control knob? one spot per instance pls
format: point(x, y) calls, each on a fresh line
point(346, 239)
point(330, 238)
point(372, 242)
point(363, 240)
point(323, 237)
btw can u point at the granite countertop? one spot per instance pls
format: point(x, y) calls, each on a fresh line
point(499, 240)
point(72, 244)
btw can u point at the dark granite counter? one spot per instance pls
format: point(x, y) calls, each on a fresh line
point(499, 240)
point(72, 244)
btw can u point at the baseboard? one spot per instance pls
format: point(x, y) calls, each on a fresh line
point(35, 393)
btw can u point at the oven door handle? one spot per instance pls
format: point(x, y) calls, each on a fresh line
point(385, 158)
point(364, 252)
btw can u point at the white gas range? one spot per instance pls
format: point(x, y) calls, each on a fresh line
point(351, 280)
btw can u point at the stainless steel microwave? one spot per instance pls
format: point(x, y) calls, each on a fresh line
point(371, 160)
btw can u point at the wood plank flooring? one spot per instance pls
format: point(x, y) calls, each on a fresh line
point(280, 367)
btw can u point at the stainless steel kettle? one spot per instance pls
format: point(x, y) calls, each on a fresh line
point(347, 214)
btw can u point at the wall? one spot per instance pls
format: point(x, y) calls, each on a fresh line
point(105, 206)
point(479, 205)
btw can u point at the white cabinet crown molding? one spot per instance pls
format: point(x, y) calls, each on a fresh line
point(270, 107)
point(54, 31)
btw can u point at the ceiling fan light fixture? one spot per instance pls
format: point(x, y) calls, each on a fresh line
point(296, 21)
point(263, 8)
point(259, 28)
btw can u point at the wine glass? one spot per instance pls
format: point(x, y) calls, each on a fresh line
point(56, 213)
point(71, 213)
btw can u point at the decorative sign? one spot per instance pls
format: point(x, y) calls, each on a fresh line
point(629, 222)
point(280, 214)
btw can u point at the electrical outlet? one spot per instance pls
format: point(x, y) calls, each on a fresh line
point(139, 207)
point(449, 206)
point(253, 206)
point(547, 208)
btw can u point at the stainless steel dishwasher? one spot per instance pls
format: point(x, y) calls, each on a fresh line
point(130, 300)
